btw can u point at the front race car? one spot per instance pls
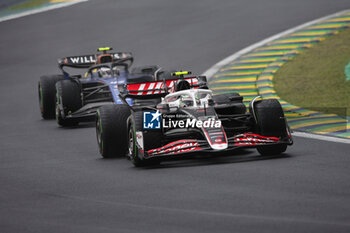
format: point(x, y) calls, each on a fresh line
point(193, 120)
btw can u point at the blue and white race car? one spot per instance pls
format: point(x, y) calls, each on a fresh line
point(75, 98)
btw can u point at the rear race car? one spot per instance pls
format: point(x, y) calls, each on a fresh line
point(72, 98)
point(180, 117)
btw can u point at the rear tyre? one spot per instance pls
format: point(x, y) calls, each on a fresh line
point(46, 92)
point(111, 130)
point(68, 100)
point(270, 123)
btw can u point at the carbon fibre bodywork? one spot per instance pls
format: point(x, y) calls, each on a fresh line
point(236, 128)
point(99, 84)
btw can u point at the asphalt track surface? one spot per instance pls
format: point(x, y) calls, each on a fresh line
point(53, 179)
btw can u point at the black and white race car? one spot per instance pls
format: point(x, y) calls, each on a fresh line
point(181, 116)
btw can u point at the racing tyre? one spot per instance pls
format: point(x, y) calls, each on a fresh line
point(111, 130)
point(68, 100)
point(270, 123)
point(153, 138)
point(47, 91)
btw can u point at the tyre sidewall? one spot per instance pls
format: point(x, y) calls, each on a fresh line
point(111, 130)
point(46, 93)
point(270, 123)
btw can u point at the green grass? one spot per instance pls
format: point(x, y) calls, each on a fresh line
point(315, 79)
point(27, 5)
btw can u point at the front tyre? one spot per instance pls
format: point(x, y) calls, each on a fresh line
point(134, 150)
point(111, 130)
point(270, 123)
point(272, 149)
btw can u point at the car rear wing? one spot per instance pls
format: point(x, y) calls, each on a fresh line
point(156, 89)
point(86, 61)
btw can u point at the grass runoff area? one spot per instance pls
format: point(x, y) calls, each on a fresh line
point(27, 5)
point(315, 79)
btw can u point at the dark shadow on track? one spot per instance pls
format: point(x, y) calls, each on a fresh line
point(238, 156)
point(82, 125)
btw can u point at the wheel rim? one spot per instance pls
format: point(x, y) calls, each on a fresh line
point(58, 112)
point(131, 142)
point(57, 106)
point(99, 136)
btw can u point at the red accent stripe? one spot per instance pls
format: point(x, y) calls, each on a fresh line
point(257, 135)
point(178, 148)
point(172, 143)
point(247, 143)
point(133, 88)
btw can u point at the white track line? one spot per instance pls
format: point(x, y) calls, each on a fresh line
point(39, 10)
point(321, 137)
point(215, 68)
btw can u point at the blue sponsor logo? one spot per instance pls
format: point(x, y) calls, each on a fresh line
point(151, 120)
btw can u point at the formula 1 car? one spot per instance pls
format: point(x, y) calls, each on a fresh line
point(186, 118)
point(75, 98)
